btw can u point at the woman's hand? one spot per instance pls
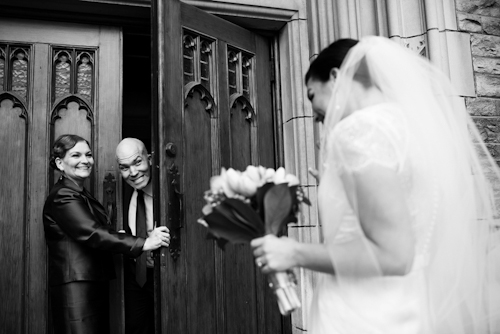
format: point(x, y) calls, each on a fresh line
point(159, 237)
point(274, 254)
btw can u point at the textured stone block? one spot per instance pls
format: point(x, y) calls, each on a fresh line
point(487, 85)
point(485, 45)
point(489, 128)
point(469, 22)
point(486, 65)
point(491, 26)
point(478, 24)
point(480, 7)
point(481, 106)
point(491, 174)
point(494, 150)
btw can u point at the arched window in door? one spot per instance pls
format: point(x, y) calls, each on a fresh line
point(198, 63)
point(243, 125)
point(14, 70)
point(73, 73)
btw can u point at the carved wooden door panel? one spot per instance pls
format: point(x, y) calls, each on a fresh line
point(55, 78)
point(222, 116)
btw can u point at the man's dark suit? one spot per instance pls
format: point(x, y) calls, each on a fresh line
point(139, 301)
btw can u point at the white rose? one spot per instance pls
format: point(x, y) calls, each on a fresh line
point(217, 183)
point(292, 180)
point(248, 187)
point(224, 183)
point(279, 176)
point(262, 172)
point(253, 173)
point(233, 181)
point(269, 175)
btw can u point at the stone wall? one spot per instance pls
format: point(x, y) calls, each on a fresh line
point(481, 18)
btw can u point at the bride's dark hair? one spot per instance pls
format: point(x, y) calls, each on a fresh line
point(330, 57)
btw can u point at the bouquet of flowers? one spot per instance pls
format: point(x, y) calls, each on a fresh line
point(242, 206)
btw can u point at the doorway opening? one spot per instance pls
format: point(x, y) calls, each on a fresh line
point(136, 116)
point(137, 86)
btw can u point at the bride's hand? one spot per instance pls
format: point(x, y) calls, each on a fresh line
point(314, 173)
point(274, 254)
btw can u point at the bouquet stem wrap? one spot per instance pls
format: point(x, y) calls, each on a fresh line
point(283, 284)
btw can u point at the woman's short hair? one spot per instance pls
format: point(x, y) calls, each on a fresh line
point(63, 144)
point(330, 57)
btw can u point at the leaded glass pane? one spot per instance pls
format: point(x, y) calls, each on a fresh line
point(2, 68)
point(20, 72)
point(245, 74)
point(62, 74)
point(205, 53)
point(85, 75)
point(231, 70)
point(188, 58)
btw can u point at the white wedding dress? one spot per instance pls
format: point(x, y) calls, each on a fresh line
point(358, 299)
point(445, 174)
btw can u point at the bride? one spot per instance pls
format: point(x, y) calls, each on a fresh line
point(405, 205)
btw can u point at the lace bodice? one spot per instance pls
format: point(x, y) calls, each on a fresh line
point(375, 135)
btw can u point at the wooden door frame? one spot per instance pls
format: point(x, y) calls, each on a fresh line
point(167, 43)
point(290, 34)
point(296, 129)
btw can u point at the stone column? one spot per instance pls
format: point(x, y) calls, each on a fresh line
point(330, 20)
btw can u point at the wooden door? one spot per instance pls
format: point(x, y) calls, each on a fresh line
point(55, 78)
point(215, 109)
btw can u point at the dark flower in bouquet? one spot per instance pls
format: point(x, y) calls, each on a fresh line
point(242, 206)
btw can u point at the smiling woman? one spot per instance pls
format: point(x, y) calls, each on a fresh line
point(81, 242)
point(77, 163)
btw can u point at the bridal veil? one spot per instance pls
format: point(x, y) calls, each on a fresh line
point(457, 247)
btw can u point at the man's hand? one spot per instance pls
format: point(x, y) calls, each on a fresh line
point(159, 237)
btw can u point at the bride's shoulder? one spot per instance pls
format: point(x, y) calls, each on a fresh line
point(373, 134)
point(379, 119)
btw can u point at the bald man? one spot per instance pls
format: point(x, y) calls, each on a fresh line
point(134, 163)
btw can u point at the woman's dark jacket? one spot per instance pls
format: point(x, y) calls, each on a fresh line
point(78, 236)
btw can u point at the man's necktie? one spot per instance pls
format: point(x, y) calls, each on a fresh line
point(141, 231)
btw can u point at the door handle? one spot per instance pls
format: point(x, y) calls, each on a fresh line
point(175, 210)
point(109, 211)
point(179, 196)
point(109, 186)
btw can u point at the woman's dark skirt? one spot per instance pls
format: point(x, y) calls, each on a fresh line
point(80, 307)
